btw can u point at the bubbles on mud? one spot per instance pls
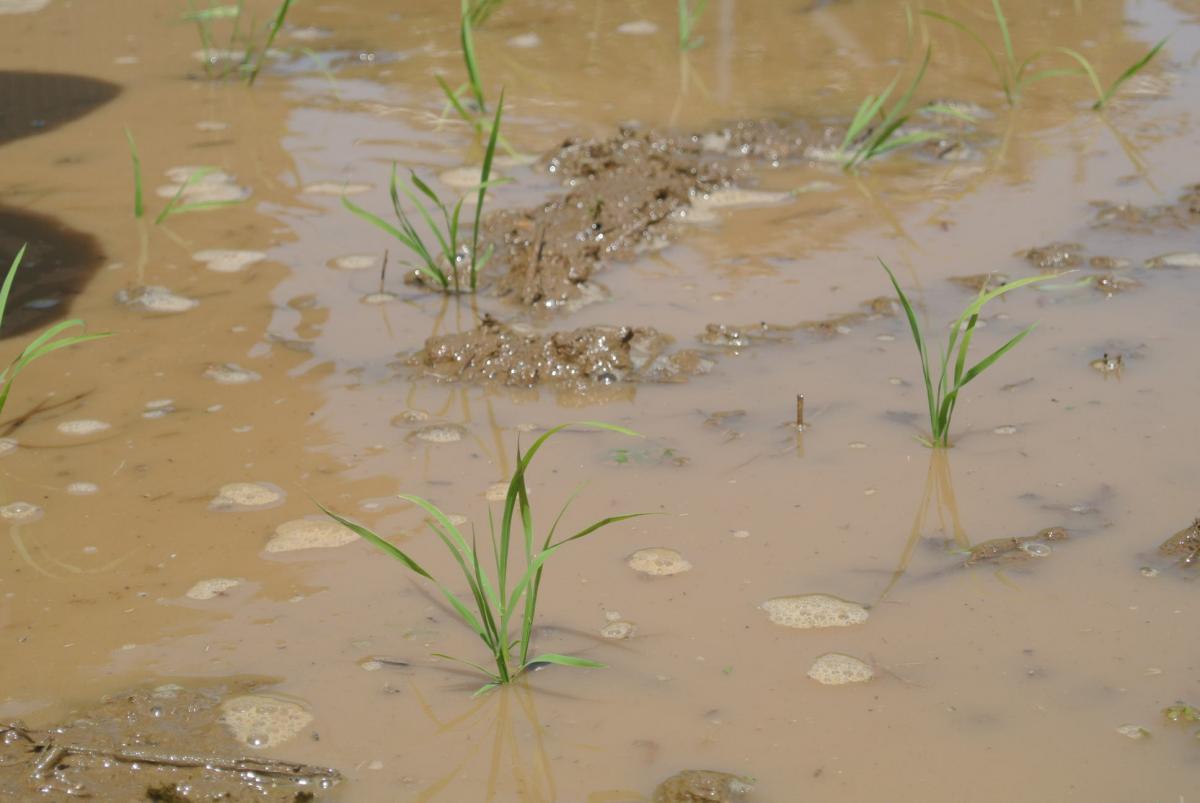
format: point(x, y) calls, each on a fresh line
point(380, 297)
point(153, 298)
point(211, 589)
point(810, 611)
point(309, 534)
point(658, 562)
point(8, 446)
point(237, 496)
point(638, 28)
point(525, 41)
point(227, 261)
point(619, 629)
point(263, 720)
point(83, 427)
point(195, 184)
point(336, 189)
point(837, 669)
point(440, 433)
point(230, 373)
point(354, 262)
point(20, 512)
point(82, 488)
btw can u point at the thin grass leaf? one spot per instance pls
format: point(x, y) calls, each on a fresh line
point(9, 278)
point(139, 207)
point(467, 41)
point(565, 660)
point(1007, 38)
point(464, 661)
point(1130, 71)
point(1001, 73)
point(485, 175)
point(212, 13)
point(276, 24)
point(950, 111)
point(170, 207)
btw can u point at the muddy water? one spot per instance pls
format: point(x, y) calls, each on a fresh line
point(989, 677)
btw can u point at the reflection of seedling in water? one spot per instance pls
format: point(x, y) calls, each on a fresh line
point(943, 396)
point(44, 343)
point(446, 232)
point(174, 206)
point(689, 15)
point(865, 140)
point(252, 57)
point(498, 606)
point(1103, 96)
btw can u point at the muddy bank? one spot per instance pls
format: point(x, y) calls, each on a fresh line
point(165, 742)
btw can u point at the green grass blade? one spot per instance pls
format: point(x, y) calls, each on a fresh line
point(9, 278)
point(565, 660)
point(1088, 70)
point(1001, 73)
point(1003, 23)
point(485, 175)
point(169, 209)
point(467, 42)
point(1130, 71)
point(276, 24)
point(987, 361)
point(139, 207)
point(919, 339)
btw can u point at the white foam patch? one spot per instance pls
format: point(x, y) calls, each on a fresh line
point(525, 41)
point(193, 185)
point(83, 488)
point(246, 496)
point(20, 512)
point(618, 630)
point(734, 197)
point(354, 262)
point(210, 589)
point(228, 261)
point(461, 178)
point(335, 188)
point(309, 534)
point(263, 720)
point(230, 373)
point(658, 561)
point(440, 433)
point(83, 427)
point(154, 298)
point(809, 611)
point(638, 28)
point(1178, 259)
point(8, 446)
point(836, 669)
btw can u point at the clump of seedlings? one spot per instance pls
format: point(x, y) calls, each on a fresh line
point(942, 397)
point(500, 605)
point(869, 137)
point(242, 55)
point(1103, 96)
point(439, 264)
point(689, 15)
point(44, 343)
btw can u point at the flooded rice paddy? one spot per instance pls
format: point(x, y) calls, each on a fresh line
point(833, 612)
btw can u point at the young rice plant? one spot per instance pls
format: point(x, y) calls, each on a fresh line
point(503, 603)
point(44, 343)
point(430, 257)
point(865, 140)
point(943, 396)
point(175, 205)
point(245, 55)
point(1103, 96)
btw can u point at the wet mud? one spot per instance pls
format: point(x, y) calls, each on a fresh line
point(164, 743)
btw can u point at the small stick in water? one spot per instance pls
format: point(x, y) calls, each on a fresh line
point(799, 411)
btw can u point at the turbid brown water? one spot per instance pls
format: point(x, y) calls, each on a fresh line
point(998, 682)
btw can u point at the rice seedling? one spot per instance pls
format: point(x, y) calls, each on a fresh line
point(865, 139)
point(689, 15)
point(943, 397)
point(480, 10)
point(447, 232)
point(242, 54)
point(175, 206)
point(44, 343)
point(1014, 75)
point(1103, 96)
point(501, 606)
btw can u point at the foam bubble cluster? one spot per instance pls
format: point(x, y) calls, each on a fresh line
point(223, 260)
point(309, 534)
point(658, 561)
point(263, 720)
point(836, 669)
point(246, 495)
point(809, 611)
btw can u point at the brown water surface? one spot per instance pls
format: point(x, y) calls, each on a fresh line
point(993, 681)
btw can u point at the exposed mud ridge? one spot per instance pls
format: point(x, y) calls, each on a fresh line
point(517, 356)
point(163, 743)
point(623, 191)
point(1132, 218)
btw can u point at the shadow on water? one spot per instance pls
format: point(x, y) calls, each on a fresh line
point(58, 263)
point(34, 103)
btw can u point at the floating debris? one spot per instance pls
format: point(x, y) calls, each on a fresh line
point(230, 373)
point(810, 611)
point(309, 534)
point(638, 28)
point(246, 496)
point(82, 488)
point(440, 433)
point(262, 720)
point(619, 629)
point(83, 427)
point(20, 512)
point(153, 298)
point(1133, 731)
point(211, 589)
point(1178, 259)
point(1108, 364)
point(658, 561)
point(702, 786)
point(354, 262)
point(837, 669)
point(226, 261)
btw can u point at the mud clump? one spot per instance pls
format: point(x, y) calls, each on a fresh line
point(522, 357)
point(622, 193)
point(1131, 218)
point(1184, 545)
point(1054, 256)
point(999, 550)
point(702, 786)
point(162, 743)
